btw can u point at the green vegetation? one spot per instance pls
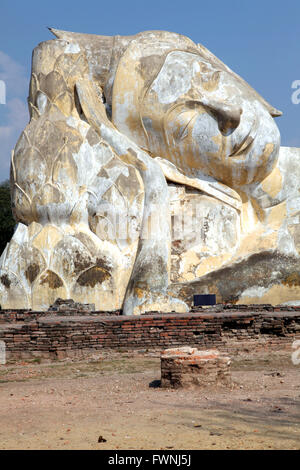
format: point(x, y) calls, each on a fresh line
point(7, 222)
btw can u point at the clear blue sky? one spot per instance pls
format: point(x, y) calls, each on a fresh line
point(258, 39)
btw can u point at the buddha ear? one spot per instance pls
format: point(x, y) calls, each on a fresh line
point(92, 106)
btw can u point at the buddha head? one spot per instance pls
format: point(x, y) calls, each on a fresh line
point(176, 100)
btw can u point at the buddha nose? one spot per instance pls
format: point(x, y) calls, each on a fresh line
point(228, 115)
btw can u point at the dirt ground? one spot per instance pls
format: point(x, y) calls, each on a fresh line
point(70, 404)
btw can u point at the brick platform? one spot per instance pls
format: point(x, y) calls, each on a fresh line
point(189, 367)
point(29, 334)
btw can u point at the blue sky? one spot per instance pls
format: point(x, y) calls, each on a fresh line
point(258, 39)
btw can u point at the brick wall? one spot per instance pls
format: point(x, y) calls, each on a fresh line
point(63, 335)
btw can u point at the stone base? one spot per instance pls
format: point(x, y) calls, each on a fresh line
point(68, 305)
point(185, 367)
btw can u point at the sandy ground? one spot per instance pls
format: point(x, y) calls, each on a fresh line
point(69, 405)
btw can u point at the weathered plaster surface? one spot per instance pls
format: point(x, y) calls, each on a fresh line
point(149, 171)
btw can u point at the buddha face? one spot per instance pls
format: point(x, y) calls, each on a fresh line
point(212, 122)
point(206, 120)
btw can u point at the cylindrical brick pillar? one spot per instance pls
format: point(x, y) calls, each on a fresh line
point(185, 367)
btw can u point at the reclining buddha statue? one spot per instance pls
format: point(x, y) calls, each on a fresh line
point(149, 172)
